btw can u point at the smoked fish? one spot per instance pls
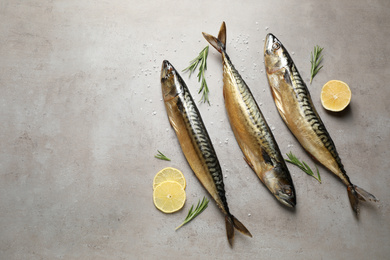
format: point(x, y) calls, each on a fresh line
point(195, 142)
point(251, 129)
point(295, 106)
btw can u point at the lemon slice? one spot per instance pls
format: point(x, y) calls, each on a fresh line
point(169, 196)
point(335, 95)
point(169, 174)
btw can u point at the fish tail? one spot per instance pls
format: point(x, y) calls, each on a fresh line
point(231, 223)
point(218, 43)
point(355, 194)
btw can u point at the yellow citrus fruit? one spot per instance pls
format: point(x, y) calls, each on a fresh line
point(335, 95)
point(169, 196)
point(169, 174)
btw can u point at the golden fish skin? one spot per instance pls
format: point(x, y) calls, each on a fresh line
point(293, 101)
point(195, 142)
point(251, 129)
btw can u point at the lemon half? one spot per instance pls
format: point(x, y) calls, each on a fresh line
point(335, 95)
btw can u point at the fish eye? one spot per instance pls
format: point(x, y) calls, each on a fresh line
point(287, 190)
point(276, 46)
point(169, 73)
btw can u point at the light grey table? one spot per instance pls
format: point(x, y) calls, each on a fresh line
point(82, 118)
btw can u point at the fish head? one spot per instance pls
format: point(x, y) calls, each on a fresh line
point(281, 186)
point(276, 56)
point(171, 82)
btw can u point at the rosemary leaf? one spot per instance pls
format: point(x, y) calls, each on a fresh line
point(194, 213)
point(201, 61)
point(315, 61)
point(161, 156)
point(303, 166)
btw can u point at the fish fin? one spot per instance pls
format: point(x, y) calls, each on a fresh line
point(231, 222)
point(217, 43)
point(179, 104)
point(229, 229)
point(240, 227)
point(365, 195)
point(353, 199)
point(355, 194)
point(222, 35)
point(266, 157)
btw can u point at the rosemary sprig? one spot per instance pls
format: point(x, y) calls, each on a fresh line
point(303, 166)
point(192, 214)
point(161, 156)
point(201, 61)
point(316, 59)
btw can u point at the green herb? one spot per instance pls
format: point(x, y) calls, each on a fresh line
point(201, 61)
point(303, 166)
point(161, 156)
point(199, 209)
point(316, 59)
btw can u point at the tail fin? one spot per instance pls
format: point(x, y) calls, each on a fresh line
point(355, 194)
point(231, 223)
point(218, 43)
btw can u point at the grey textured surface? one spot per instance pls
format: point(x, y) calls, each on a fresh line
point(82, 117)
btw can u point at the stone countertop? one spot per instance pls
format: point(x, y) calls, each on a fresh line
point(82, 118)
